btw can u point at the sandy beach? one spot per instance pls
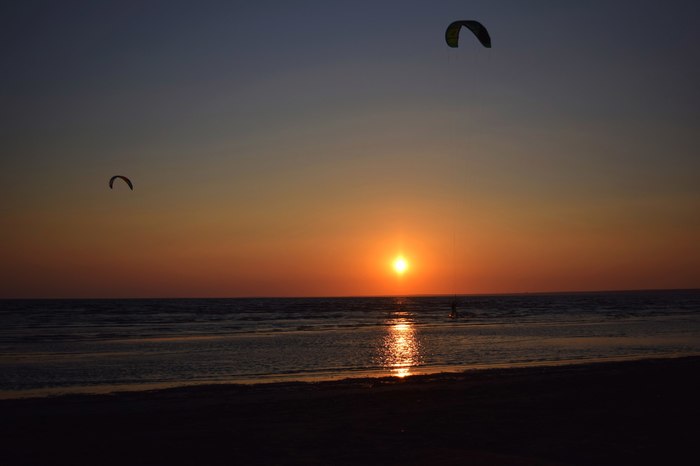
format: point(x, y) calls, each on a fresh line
point(637, 412)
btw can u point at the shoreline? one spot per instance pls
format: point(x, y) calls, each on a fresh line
point(634, 412)
point(417, 371)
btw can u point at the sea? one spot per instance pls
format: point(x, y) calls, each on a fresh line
point(56, 347)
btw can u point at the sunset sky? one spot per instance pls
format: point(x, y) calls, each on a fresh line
point(285, 148)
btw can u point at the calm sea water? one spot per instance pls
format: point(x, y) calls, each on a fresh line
point(64, 346)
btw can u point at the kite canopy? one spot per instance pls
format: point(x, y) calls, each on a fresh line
point(452, 33)
point(126, 180)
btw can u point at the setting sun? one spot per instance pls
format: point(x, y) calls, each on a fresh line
point(400, 265)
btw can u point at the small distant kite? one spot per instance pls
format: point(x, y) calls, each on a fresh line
point(452, 33)
point(126, 180)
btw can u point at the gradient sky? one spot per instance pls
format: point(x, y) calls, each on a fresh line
point(295, 148)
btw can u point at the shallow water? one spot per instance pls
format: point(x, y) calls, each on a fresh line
point(64, 346)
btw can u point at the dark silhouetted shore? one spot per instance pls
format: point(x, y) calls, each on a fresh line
point(638, 412)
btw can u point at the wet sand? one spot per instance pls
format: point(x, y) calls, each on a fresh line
point(638, 412)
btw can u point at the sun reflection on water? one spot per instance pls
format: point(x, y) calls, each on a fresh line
point(400, 348)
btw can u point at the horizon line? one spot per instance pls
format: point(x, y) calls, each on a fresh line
point(416, 295)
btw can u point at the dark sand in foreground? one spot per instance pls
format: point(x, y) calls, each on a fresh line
point(641, 412)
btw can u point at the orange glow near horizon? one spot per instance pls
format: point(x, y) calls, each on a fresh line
point(122, 251)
